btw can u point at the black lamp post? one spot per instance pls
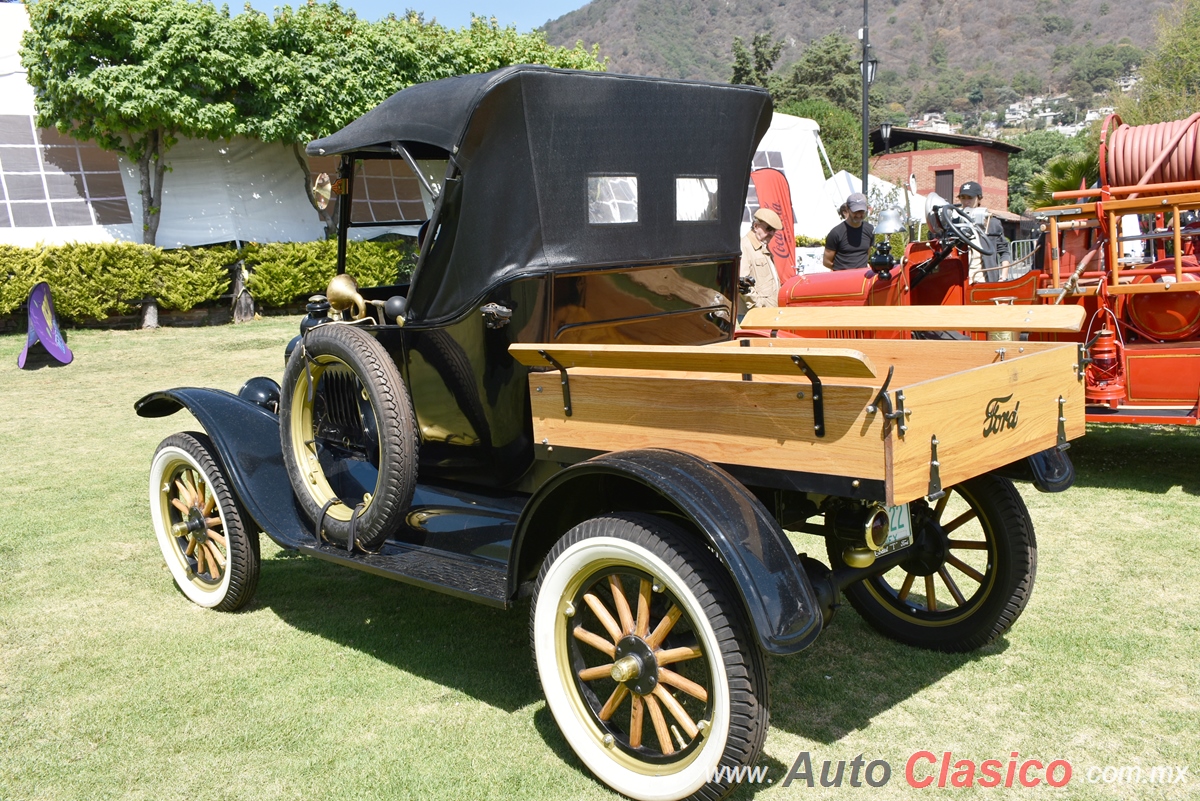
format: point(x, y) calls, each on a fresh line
point(868, 66)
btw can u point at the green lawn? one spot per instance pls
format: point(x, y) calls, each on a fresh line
point(335, 684)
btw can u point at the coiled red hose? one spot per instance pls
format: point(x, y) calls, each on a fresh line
point(1164, 152)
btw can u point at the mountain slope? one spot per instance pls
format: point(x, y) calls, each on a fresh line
point(693, 38)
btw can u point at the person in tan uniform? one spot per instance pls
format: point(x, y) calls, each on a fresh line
point(757, 279)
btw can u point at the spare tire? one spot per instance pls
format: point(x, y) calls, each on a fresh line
point(349, 443)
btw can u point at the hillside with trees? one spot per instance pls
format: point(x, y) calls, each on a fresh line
point(933, 55)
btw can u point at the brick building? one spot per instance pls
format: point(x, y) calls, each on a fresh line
point(944, 169)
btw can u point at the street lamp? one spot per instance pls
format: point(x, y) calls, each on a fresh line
point(885, 130)
point(867, 66)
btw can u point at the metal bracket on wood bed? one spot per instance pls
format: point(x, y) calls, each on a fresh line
point(1062, 425)
point(566, 384)
point(882, 401)
point(817, 401)
point(935, 477)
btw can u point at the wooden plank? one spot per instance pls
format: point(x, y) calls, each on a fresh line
point(832, 360)
point(924, 318)
point(756, 423)
point(955, 409)
point(917, 360)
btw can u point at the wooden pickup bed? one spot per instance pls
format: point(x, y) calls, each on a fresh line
point(750, 403)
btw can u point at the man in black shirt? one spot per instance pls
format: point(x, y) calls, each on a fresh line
point(849, 243)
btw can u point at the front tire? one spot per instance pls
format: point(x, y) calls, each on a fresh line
point(632, 592)
point(200, 526)
point(969, 576)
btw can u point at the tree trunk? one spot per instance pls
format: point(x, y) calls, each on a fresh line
point(149, 313)
point(151, 169)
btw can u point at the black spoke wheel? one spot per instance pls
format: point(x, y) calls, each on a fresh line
point(347, 429)
point(202, 530)
point(968, 576)
point(647, 661)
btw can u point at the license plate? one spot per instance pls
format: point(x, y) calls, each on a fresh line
point(899, 530)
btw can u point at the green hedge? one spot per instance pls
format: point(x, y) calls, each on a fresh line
point(283, 272)
point(93, 281)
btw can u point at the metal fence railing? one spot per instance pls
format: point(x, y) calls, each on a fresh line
point(1018, 253)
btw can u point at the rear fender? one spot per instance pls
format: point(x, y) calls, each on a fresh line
point(247, 440)
point(702, 498)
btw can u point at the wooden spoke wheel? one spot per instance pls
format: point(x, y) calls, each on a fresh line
point(200, 527)
point(969, 575)
point(646, 659)
point(348, 434)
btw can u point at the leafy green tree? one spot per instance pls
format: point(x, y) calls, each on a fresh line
point(1039, 148)
point(1064, 173)
point(752, 67)
point(132, 79)
point(1026, 83)
point(137, 80)
point(1169, 85)
point(841, 131)
point(827, 70)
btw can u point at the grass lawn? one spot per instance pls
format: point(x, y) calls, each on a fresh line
point(335, 684)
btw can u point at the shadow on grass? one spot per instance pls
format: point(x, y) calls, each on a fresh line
point(478, 650)
point(1150, 459)
point(39, 358)
point(850, 675)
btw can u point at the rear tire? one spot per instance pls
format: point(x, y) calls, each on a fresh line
point(970, 575)
point(696, 706)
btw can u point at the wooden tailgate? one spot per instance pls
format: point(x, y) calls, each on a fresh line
point(985, 418)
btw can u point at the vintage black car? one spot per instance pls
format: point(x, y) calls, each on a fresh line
point(555, 408)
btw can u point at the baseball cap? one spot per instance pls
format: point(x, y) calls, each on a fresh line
point(857, 202)
point(770, 218)
point(970, 189)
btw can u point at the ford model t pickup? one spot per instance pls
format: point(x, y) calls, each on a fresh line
point(555, 408)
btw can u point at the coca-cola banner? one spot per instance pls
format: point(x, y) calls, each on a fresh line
point(775, 194)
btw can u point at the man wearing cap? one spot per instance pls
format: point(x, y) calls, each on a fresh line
point(849, 243)
point(985, 268)
point(757, 278)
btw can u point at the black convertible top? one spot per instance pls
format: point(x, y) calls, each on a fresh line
point(523, 142)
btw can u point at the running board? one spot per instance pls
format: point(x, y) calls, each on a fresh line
point(482, 581)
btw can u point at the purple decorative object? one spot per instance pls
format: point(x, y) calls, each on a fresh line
point(43, 327)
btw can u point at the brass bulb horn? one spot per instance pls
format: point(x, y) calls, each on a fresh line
point(343, 294)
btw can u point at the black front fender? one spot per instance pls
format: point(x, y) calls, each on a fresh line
point(774, 588)
point(247, 440)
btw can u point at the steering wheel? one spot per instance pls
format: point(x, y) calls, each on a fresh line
point(962, 227)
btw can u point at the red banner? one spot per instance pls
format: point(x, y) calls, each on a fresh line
point(775, 194)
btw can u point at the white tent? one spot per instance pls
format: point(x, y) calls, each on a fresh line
point(880, 194)
point(55, 190)
point(793, 146)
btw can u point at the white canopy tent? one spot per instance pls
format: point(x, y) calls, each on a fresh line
point(793, 146)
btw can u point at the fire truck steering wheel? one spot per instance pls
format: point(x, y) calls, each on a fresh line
point(961, 227)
